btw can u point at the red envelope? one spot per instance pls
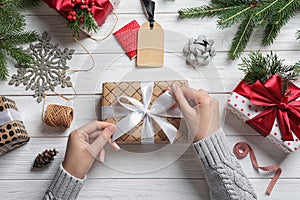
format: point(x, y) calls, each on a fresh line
point(127, 38)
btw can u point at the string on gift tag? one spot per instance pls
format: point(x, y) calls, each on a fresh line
point(241, 149)
point(149, 8)
point(150, 44)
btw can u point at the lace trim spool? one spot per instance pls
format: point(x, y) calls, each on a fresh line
point(59, 116)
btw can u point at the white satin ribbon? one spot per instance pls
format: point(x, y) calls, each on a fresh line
point(8, 116)
point(133, 113)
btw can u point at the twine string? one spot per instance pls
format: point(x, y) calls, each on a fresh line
point(86, 50)
point(110, 32)
point(241, 150)
point(57, 115)
point(62, 116)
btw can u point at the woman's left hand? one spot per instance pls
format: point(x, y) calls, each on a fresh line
point(81, 152)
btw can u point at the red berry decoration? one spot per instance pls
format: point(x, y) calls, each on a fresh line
point(81, 12)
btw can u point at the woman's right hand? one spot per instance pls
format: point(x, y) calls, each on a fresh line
point(202, 118)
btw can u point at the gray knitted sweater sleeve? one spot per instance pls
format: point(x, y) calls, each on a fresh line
point(64, 186)
point(223, 172)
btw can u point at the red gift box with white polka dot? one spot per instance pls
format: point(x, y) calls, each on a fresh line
point(245, 110)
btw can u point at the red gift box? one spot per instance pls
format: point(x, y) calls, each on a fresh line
point(270, 111)
point(100, 10)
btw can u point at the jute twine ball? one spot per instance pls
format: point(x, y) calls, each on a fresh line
point(59, 116)
point(199, 51)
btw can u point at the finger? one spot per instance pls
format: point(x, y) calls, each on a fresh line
point(101, 140)
point(197, 95)
point(101, 156)
point(114, 145)
point(183, 104)
point(93, 126)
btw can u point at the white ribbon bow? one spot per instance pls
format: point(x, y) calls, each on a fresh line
point(9, 115)
point(136, 111)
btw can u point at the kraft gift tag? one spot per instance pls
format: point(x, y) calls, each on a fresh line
point(150, 45)
point(150, 50)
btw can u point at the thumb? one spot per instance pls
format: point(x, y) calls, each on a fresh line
point(101, 140)
point(181, 100)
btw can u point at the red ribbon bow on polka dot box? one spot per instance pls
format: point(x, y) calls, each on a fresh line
point(265, 108)
point(12, 130)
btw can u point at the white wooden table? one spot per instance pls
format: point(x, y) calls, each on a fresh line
point(181, 179)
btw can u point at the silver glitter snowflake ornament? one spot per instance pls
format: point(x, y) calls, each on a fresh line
point(47, 70)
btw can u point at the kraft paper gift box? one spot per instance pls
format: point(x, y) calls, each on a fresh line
point(12, 131)
point(266, 110)
point(112, 91)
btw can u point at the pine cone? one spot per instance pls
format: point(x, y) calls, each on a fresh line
point(44, 158)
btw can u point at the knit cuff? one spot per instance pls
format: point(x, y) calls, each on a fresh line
point(213, 149)
point(65, 186)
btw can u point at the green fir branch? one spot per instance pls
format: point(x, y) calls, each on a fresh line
point(227, 19)
point(265, 9)
point(241, 38)
point(89, 24)
point(260, 67)
point(279, 19)
point(18, 3)
point(3, 68)
point(231, 3)
point(21, 38)
point(204, 11)
point(17, 53)
point(12, 34)
point(271, 15)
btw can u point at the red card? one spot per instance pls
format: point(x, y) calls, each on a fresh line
point(127, 38)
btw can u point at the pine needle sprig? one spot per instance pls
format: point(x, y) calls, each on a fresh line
point(21, 38)
point(3, 68)
point(202, 12)
point(18, 3)
point(228, 19)
point(279, 19)
point(84, 19)
point(271, 15)
point(241, 38)
point(260, 67)
point(17, 53)
point(12, 34)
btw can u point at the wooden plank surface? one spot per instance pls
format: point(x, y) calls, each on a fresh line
point(176, 173)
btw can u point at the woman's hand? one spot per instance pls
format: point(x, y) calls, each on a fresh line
point(200, 111)
point(85, 145)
